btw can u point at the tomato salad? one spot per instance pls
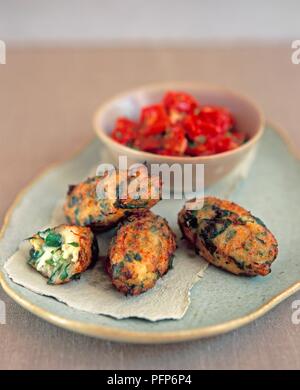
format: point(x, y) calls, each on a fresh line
point(180, 126)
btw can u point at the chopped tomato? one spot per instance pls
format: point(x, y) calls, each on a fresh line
point(154, 119)
point(174, 142)
point(206, 146)
point(196, 127)
point(201, 146)
point(218, 116)
point(180, 102)
point(180, 126)
point(149, 143)
point(224, 144)
point(124, 131)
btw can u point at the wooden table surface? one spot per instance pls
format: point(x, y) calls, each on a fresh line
point(47, 97)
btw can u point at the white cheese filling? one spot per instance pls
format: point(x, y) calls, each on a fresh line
point(53, 255)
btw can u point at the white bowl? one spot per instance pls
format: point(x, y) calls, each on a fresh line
point(249, 119)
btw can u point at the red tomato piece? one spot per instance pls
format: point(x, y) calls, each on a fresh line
point(174, 141)
point(196, 127)
point(201, 146)
point(154, 119)
point(149, 143)
point(218, 116)
point(224, 144)
point(180, 101)
point(179, 126)
point(124, 131)
point(190, 124)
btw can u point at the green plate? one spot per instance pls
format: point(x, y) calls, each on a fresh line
point(221, 301)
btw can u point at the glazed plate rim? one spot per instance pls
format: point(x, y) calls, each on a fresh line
point(142, 337)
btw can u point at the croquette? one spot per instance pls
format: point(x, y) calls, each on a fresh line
point(141, 252)
point(229, 237)
point(84, 206)
point(62, 253)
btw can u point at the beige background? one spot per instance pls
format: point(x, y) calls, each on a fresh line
point(47, 98)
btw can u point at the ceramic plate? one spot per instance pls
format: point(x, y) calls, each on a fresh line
point(221, 301)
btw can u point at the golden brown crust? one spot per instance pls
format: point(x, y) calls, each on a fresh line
point(83, 207)
point(229, 237)
point(86, 242)
point(141, 252)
